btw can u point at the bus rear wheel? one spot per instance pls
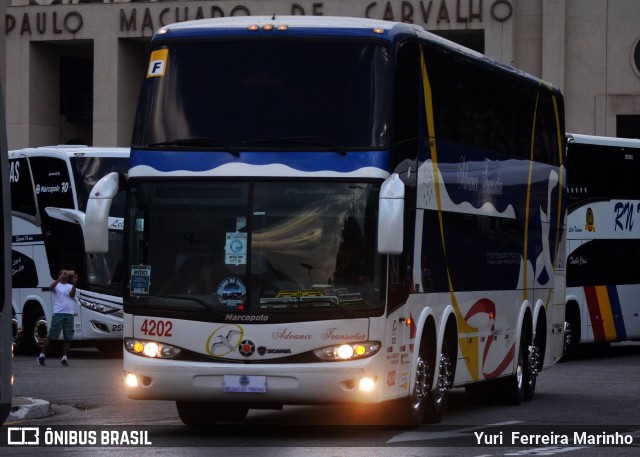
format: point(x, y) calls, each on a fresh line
point(427, 404)
point(571, 333)
point(437, 404)
point(207, 413)
point(517, 385)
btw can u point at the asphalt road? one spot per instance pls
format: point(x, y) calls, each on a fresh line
point(593, 395)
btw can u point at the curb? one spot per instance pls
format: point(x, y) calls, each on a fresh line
point(27, 408)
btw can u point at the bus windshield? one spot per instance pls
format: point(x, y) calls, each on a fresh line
point(104, 271)
point(250, 246)
point(236, 94)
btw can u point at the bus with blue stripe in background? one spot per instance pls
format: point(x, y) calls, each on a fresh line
point(333, 210)
point(603, 236)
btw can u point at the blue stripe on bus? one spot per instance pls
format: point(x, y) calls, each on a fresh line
point(616, 310)
point(195, 161)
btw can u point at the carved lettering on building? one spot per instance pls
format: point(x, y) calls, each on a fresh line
point(146, 20)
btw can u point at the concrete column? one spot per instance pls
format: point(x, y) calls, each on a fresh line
point(500, 34)
point(132, 57)
point(105, 91)
point(553, 41)
point(17, 93)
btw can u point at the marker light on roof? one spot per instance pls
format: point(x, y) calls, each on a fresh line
point(267, 27)
point(282, 28)
point(162, 31)
point(253, 28)
point(378, 30)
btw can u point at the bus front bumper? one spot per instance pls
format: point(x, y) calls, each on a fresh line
point(320, 383)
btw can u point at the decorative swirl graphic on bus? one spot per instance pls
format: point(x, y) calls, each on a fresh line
point(224, 340)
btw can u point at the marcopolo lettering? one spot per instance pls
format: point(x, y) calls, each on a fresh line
point(247, 318)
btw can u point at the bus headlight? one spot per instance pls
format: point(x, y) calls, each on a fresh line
point(151, 348)
point(348, 351)
point(98, 307)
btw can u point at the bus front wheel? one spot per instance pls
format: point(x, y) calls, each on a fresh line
point(34, 332)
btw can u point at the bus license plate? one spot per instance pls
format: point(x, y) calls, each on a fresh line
point(243, 383)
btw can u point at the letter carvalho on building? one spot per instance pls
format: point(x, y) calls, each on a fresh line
point(43, 17)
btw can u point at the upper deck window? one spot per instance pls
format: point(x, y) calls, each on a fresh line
point(252, 94)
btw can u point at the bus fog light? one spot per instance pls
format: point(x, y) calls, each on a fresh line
point(131, 380)
point(366, 384)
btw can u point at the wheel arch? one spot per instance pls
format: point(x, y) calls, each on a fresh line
point(540, 334)
point(425, 330)
point(525, 325)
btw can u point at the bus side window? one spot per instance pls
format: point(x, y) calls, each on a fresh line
point(407, 103)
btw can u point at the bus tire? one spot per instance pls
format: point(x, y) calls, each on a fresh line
point(411, 411)
point(535, 360)
point(515, 386)
point(438, 397)
point(203, 413)
point(34, 332)
point(571, 332)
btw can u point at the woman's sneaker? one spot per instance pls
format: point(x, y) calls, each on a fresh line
point(41, 360)
point(64, 362)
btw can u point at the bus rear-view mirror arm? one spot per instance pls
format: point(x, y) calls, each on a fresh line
point(391, 216)
point(66, 214)
point(96, 221)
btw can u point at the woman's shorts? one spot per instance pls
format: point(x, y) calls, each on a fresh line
point(61, 323)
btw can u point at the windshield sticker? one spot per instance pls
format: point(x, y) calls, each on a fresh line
point(140, 279)
point(139, 227)
point(232, 293)
point(157, 63)
point(241, 222)
point(235, 249)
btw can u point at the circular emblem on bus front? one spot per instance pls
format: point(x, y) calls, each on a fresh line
point(246, 348)
point(236, 246)
point(231, 292)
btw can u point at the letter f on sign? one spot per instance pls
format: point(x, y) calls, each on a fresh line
point(157, 63)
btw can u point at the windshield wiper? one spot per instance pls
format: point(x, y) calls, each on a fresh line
point(317, 140)
point(312, 302)
point(201, 142)
point(191, 298)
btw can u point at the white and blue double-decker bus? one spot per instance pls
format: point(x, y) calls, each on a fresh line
point(603, 248)
point(339, 210)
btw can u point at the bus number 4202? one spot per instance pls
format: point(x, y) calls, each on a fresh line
point(156, 328)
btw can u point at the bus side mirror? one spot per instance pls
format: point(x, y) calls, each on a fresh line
point(391, 216)
point(96, 221)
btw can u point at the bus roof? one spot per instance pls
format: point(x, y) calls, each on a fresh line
point(71, 151)
point(603, 140)
point(327, 25)
point(242, 23)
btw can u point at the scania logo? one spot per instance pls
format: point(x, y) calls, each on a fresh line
point(263, 350)
point(246, 348)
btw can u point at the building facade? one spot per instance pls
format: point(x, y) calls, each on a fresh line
point(72, 68)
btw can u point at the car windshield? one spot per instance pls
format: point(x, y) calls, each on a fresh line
point(267, 247)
